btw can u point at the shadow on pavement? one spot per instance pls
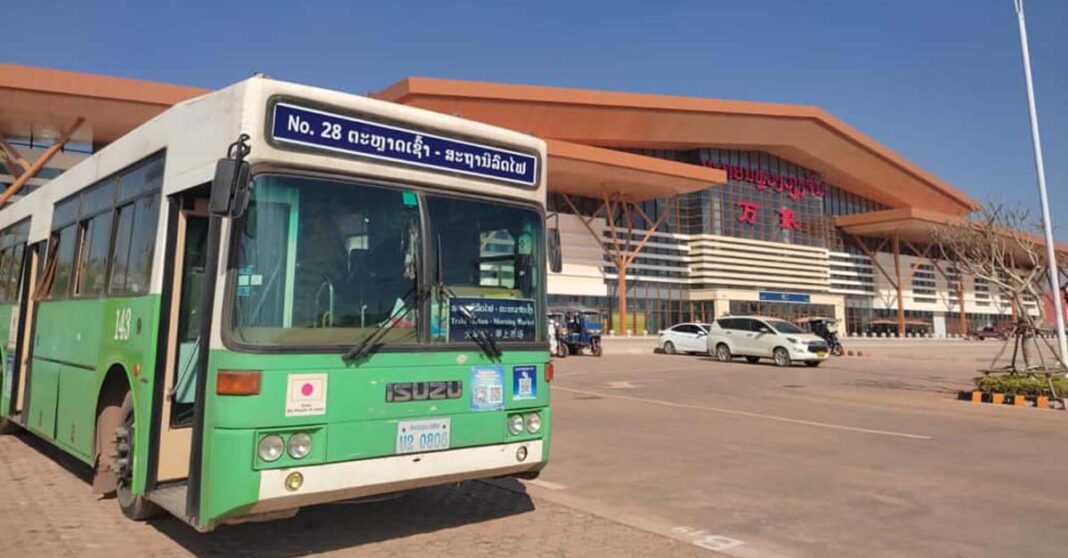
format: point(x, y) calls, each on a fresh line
point(337, 526)
point(63, 459)
point(331, 527)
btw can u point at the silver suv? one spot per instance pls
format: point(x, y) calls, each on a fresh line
point(757, 337)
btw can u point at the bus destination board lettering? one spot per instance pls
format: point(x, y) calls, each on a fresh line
point(314, 128)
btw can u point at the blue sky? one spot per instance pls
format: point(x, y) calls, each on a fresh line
point(940, 82)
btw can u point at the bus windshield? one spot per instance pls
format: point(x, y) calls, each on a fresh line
point(488, 258)
point(322, 262)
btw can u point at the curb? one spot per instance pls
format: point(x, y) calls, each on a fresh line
point(1038, 401)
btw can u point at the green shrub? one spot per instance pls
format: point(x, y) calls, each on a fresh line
point(1021, 384)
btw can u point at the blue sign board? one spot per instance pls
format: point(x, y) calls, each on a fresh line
point(504, 319)
point(766, 296)
point(487, 388)
point(319, 129)
point(524, 383)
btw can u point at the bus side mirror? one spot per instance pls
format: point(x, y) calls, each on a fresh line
point(229, 190)
point(556, 258)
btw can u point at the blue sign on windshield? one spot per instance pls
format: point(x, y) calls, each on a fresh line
point(504, 319)
point(296, 125)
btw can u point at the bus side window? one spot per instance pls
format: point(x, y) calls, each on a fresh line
point(55, 281)
point(92, 255)
point(135, 242)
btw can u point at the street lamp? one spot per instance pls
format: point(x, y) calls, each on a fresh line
point(1051, 252)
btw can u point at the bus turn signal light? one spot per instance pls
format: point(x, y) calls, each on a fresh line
point(549, 371)
point(237, 382)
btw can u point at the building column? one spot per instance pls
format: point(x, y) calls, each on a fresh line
point(896, 242)
point(960, 299)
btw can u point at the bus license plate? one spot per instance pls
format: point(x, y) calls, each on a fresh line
point(414, 436)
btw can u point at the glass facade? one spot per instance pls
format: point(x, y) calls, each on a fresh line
point(765, 198)
point(788, 311)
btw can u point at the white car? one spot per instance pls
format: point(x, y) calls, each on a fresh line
point(757, 337)
point(684, 338)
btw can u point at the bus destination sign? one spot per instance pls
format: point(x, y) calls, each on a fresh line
point(319, 129)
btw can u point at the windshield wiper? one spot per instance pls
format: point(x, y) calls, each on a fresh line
point(372, 341)
point(479, 335)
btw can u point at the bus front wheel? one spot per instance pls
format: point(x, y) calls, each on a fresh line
point(134, 506)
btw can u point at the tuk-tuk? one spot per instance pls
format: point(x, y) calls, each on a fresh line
point(826, 329)
point(575, 329)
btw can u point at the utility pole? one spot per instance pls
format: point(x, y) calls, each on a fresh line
point(1051, 251)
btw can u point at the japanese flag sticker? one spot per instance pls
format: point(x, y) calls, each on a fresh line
point(306, 395)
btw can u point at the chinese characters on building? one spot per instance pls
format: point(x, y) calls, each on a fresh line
point(748, 213)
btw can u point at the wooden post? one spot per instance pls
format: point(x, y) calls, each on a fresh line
point(39, 163)
point(622, 255)
point(897, 284)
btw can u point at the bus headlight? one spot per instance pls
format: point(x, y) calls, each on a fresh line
point(299, 445)
point(515, 425)
point(533, 423)
point(271, 447)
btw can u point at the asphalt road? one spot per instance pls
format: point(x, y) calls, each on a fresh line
point(860, 457)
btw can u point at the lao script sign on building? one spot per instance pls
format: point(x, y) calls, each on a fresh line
point(295, 125)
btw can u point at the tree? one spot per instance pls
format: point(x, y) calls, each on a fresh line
point(999, 245)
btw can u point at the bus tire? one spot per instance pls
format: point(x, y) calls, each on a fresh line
point(133, 506)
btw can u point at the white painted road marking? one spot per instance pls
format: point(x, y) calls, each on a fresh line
point(620, 385)
point(735, 412)
point(712, 542)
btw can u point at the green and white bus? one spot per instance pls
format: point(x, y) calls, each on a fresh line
point(276, 295)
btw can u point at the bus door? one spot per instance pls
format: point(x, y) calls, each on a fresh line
point(21, 331)
point(188, 252)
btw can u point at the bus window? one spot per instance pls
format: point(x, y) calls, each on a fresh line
point(135, 240)
point(120, 249)
point(92, 262)
point(322, 262)
point(487, 251)
point(62, 253)
point(15, 275)
point(142, 245)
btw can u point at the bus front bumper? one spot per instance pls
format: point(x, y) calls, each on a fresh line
point(354, 479)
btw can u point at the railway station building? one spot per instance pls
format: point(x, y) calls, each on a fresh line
point(669, 208)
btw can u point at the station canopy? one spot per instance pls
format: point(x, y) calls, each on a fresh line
point(600, 173)
point(804, 135)
point(917, 226)
point(42, 104)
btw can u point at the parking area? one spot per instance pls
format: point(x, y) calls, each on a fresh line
point(864, 456)
point(667, 455)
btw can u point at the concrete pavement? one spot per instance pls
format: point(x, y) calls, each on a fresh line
point(861, 457)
